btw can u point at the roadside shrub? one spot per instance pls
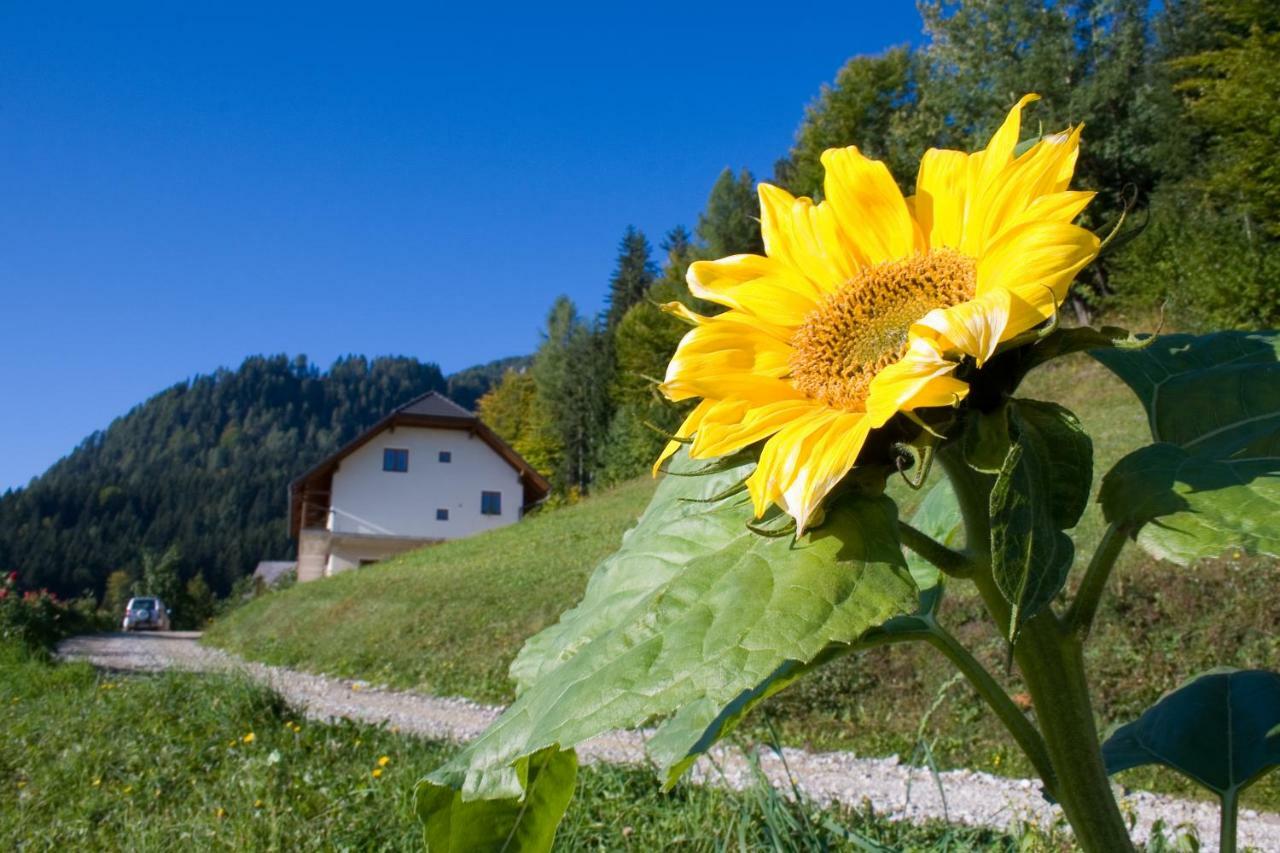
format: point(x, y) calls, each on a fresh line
point(37, 618)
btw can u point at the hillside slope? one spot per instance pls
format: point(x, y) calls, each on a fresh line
point(445, 619)
point(203, 465)
point(449, 619)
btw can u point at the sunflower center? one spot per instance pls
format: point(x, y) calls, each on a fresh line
point(862, 328)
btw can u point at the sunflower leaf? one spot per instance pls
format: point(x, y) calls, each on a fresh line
point(453, 825)
point(1210, 481)
point(1040, 491)
point(1219, 729)
point(679, 525)
point(986, 440)
point(697, 641)
point(1065, 341)
point(938, 516)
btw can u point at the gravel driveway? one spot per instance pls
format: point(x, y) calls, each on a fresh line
point(892, 788)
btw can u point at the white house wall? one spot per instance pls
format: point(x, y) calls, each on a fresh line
point(367, 500)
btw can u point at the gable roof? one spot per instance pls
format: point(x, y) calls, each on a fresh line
point(311, 490)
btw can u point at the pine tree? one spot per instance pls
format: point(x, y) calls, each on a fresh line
point(571, 371)
point(730, 223)
point(631, 277)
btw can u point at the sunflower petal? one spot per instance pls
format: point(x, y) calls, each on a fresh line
point(868, 205)
point(723, 434)
point(1026, 179)
point(764, 287)
point(972, 328)
point(920, 379)
point(1044, 253)
point(781, 457)
point(984, 169)
point(835, 451)
point(1055, 207)
point(730, 355)
point(804, 236)
point(688, 428)
point(939, 205)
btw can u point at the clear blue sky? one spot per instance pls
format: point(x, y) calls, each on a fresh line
point(185, 184)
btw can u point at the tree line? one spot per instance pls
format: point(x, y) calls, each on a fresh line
point(1181, 107)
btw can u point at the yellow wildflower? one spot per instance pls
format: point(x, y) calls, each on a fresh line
point(384, 761)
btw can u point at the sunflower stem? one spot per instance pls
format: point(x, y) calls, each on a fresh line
point(951, 563)
point(1084, 607)
point(983, 682)
point(1050, 658)
point(1026, 735)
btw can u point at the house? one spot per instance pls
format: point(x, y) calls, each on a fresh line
point(427, 472)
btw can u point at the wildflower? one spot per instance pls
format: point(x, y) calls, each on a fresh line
point(219, 812)
point(376, 773)
point(384, 761)
point(257, 804)
point(249, 738)
point(865, 305)
point(97, 783)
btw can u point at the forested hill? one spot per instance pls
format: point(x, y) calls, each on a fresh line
point(204, 466)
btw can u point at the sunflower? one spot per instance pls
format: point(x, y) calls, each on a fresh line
point(864, 305)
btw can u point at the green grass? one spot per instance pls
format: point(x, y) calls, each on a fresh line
point(99, 762)
point(446, 619)
point(449, 619)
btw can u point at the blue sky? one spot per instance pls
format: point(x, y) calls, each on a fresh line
point(182, 185)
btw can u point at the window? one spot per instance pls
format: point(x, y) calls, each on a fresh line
point(491, 503)
point(446, 456)
point(394, 459)
point(442, 515)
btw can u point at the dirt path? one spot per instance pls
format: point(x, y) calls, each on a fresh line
point(892, 788)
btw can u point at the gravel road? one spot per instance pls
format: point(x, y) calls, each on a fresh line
point(892, 788)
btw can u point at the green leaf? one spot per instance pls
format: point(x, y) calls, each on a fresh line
point(527, 824)
point(708, 637)
point(986, 440)
point(1065, 341)
point(1063, 442)
point(937, 516)
point(677, 527)
point(1209, 482)
point(1041, 489)
point(1219, 729)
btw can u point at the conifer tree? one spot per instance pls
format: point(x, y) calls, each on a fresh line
point(631, 277)
point(730, 224)
point(571, 371)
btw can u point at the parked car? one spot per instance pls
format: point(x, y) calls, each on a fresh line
point(148, 612)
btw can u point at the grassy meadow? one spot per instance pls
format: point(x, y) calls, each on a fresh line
point(448, 620)
point(202, 762)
